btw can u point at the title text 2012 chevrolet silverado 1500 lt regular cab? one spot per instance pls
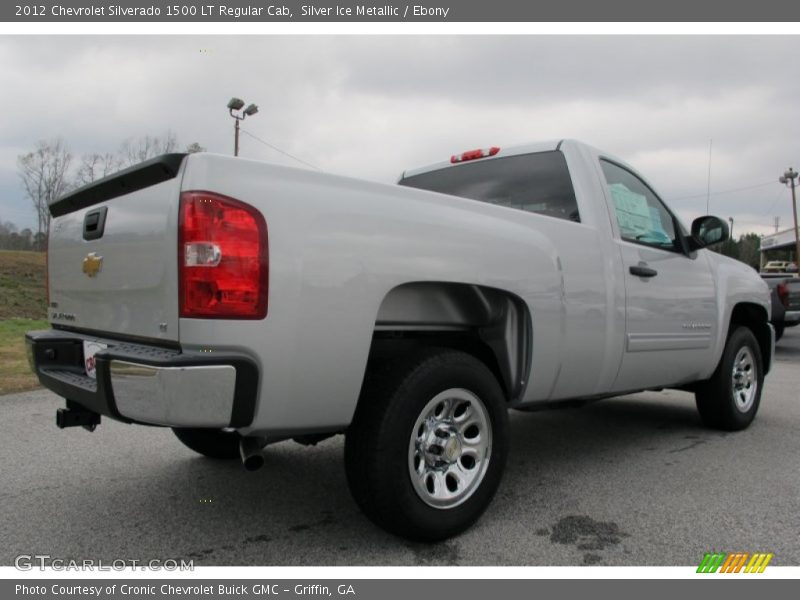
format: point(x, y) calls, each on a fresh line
point(242, 303)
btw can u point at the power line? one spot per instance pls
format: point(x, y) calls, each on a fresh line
point(774, 202)
point(300, 160)
point(730, 191)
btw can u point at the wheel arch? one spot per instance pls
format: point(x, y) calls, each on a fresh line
point(755, 318)
point(492, 324)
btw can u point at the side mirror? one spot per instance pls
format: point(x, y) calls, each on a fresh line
point(708, 230)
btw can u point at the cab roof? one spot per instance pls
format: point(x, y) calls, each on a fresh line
point(500, 153)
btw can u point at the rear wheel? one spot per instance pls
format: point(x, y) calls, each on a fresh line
point(427, 447)
point(730, 399)
point(213, 443)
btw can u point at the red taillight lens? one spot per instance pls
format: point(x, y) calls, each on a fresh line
point(223, 258)
point(783, 294)
point(473, 154)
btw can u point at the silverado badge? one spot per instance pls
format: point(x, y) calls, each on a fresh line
point(92, 264)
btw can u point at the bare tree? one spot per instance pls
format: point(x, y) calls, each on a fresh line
point(44, 174)
point(96, 166)
point(26, 239)
point(7, 228)
point(137, 150)
point(40, 241)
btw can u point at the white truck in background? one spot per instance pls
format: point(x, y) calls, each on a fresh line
point(242, 303)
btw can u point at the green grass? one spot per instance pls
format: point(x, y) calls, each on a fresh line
point(22, 285)
point(23, 307)
point(15, 374)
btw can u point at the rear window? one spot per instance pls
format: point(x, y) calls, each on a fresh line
point(537, 183)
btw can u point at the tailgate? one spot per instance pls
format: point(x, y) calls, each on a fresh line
point(112, 253)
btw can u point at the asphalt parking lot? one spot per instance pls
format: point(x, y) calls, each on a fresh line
point(627, 481)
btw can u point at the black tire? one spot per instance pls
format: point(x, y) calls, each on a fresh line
point(779, 329)
point(213, 443)
point(720, 403)
point(380, 450)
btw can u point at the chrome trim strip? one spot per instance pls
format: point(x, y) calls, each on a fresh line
point(647, 342)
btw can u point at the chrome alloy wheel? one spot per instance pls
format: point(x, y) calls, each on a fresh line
point(744, 379)
point(450, 448)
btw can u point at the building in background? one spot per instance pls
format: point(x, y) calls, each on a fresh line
point(778, 246)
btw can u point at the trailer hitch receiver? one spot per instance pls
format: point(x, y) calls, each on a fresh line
point(75, 415)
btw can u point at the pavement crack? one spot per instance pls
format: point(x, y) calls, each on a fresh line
point(689, 447)
point(327, 519)
point(257, 539)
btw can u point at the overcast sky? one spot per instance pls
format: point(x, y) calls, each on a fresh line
point(371, 107)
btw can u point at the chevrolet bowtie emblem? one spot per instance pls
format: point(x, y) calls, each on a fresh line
point(92, 264)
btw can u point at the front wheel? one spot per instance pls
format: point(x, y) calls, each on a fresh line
point(427, 447)
point(730, 399)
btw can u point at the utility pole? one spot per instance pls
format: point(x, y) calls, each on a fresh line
point(236, 138)
point(788, 179)
point(236, 104)
point(708, 189)
point(730, 220)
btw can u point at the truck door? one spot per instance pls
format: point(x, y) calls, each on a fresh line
point(670, 309)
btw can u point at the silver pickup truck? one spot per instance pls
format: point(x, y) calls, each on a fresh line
point(242, 303)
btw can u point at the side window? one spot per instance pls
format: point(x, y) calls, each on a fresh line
point(641, 216)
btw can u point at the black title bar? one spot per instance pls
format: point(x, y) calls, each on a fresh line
point(337, 11)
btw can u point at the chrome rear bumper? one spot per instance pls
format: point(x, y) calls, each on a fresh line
point(174, 396)
point(140, 383)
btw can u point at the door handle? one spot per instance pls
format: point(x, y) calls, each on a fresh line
point(641, 271)
point(94, 223)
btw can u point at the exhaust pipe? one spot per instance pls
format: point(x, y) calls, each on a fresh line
point(250, 450)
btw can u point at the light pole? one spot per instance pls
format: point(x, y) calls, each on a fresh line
point(236, 104)
point(788, 179)
point(730, 220)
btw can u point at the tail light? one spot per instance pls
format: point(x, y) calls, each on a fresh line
point(783, 294)
point(473, 154)
point(223, 258)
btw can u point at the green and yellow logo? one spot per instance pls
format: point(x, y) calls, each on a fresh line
point(734, 562)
